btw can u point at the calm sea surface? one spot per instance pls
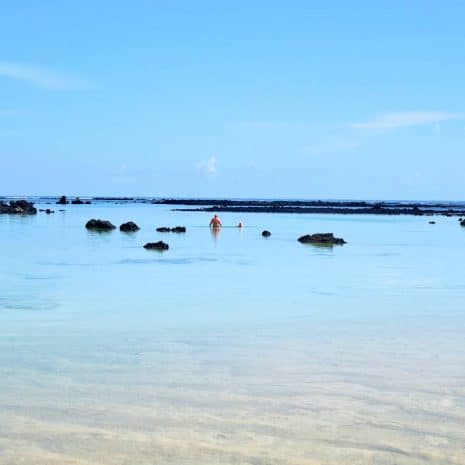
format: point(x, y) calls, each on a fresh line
point(231, 348)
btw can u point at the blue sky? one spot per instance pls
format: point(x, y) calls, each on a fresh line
point(235, 99)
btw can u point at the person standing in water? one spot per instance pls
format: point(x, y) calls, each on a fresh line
point(215, 222)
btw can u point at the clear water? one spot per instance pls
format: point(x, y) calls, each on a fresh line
point(232, 348)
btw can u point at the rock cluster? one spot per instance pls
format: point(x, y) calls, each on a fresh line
point(177, 229)
point(321, 238)
point(130, 226)
point(77, 201)
point(100, 225)
point(160, 245)
point(18, 207)
point(266, 233)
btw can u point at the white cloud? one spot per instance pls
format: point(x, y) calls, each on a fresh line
point(405, 119)
point(208, 166)
point(42, 77)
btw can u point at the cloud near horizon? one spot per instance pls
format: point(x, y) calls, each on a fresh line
point(43, 77)
point(406, 119)
point(208, 166)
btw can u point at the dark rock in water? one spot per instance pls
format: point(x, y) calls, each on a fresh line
point(62, 200)
point(160, 245)
point(321, 238)
point(432, 222)
point(100, 225)
point(462, 223)
point(129, 227)
point(48, 211)
point(18, 207)
point(179, 229)
point(266, 233)
point(78, 201)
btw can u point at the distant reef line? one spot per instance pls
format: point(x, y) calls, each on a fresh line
point(308, 203)
point(341, 207)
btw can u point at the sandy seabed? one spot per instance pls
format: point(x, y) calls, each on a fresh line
point(373, 395)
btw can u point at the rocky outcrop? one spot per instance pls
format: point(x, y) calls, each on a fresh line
point(78, 201)
point(130, 226)
point(321, 238)
point(100, 225)
point(62, 200)
point(266, 233)
point(160, 245)
point(18, 207)
point(177, 229)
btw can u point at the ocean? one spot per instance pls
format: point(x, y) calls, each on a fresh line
point(230, 348)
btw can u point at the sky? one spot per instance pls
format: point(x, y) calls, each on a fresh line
point(244, 99)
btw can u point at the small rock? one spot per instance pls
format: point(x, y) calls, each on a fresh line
point(62, 200)
point(160, 245)
point(163, 229)
point(48, 211)
point(432, 222)
point(179, 229)
point(77, 201)
point(321, 238)
point(266, 233)
point(130, 226)
point(100, 225)
point(462, 223)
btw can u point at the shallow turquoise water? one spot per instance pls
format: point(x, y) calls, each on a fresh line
point(95, 319)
